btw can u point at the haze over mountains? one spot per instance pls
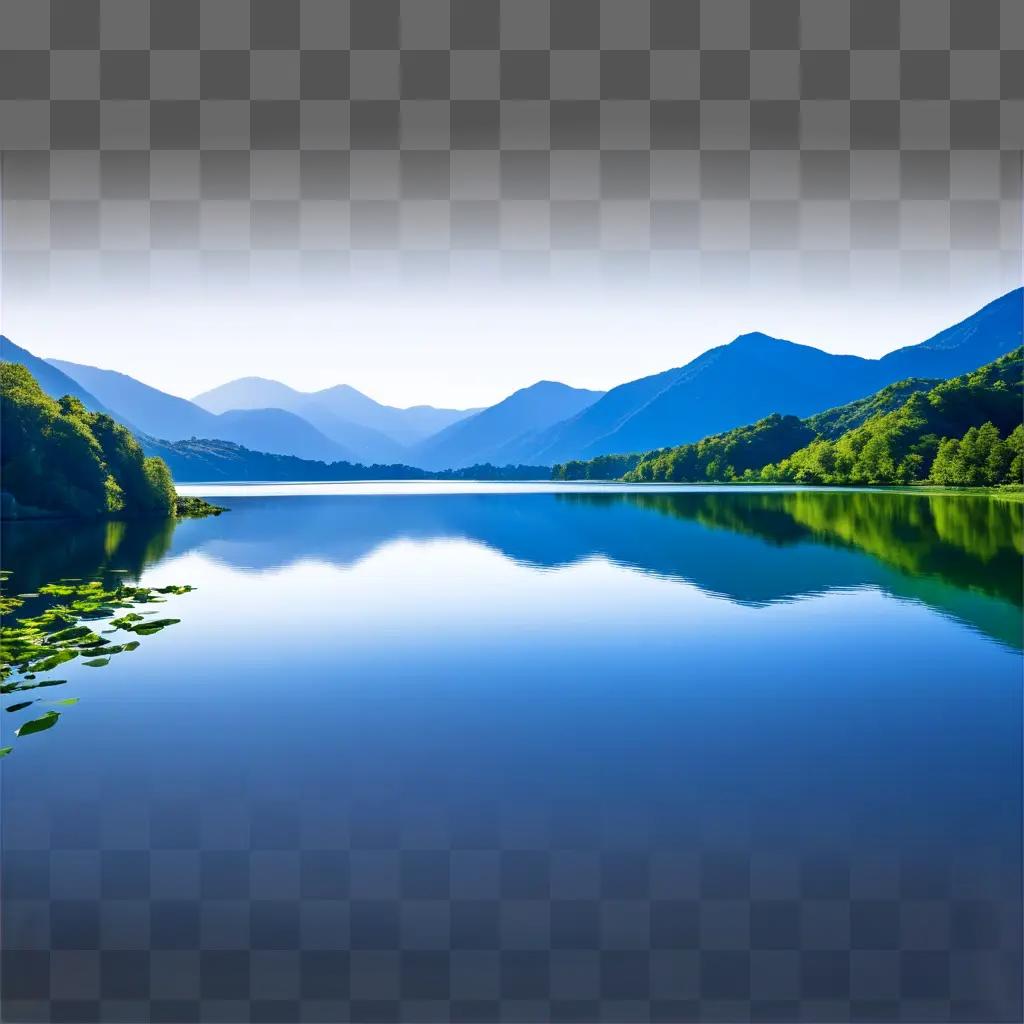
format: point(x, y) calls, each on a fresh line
point(53, 381)
point(496, 434)
point(727, 386)
point(375, 432)
point(154, 412)
point(756, 375)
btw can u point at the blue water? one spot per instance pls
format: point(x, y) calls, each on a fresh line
point(480, 753)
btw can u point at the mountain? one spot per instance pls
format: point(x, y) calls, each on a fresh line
point(206, 460)
point(498, 433)
point(833, 423)
point(724, 387)
point(756, 375)
point(247, 393)
point(365, 443)
point(891, 436)
point(895, 437)
point(407, 426)
point(52, 381)
point(422, 421)
point(738, 383)
point(374, 430)
point(747, 447)
point(158, 414)
point(967, 431)
point(981, 338)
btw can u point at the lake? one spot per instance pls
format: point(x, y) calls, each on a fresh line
point(430, 752)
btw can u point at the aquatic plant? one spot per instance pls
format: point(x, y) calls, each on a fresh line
point(187, 506)
point(75, 621)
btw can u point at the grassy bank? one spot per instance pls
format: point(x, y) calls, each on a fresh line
point(189, 507)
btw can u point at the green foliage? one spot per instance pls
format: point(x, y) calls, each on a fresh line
point(62, 630)
point(723, 457)
point(980, 458)
point(159, 484)
point(604, 467)
point(46, 721)
point(189, 507)
point(58, 457)
point(50, 459)
point(974, 542)
point(833, 423)
point(952, 434)
point(960, 432)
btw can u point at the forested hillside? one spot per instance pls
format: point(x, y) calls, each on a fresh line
point(726, 456)
point(961, 432)
point(833, 423)
point(57, 457)
point(208, 460)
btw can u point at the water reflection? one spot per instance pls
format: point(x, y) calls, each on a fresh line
point(970, 540)
point(44, 551)
point(959, 554)
point(593, 757)
point(68, 605)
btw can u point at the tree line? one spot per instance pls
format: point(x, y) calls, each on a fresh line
point(966, 431)
point(58, 457)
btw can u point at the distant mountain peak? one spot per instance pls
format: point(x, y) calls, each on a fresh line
point(755, 375)
point(548, 385)
point(756, 338)
point(758, 341)
point(374, 432)
point(494, 431)
point(256, 379)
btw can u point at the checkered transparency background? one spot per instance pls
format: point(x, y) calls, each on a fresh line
point(810, 143)
point(232, 899)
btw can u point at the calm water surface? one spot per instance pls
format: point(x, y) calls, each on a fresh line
point(436, 752)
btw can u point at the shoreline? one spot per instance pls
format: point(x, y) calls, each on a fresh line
point(213, 488)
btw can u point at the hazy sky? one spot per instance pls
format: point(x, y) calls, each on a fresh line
point(469, 350)
point(442, 202)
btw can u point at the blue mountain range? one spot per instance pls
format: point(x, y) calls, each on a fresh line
point(727, 386)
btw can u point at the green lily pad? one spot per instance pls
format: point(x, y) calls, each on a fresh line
point(4, 751)
point(125, 621)
point(96, 641)
point(54, 660)
point(148, 628)
point(68, 634)
point(47, 721)
point(61, 632)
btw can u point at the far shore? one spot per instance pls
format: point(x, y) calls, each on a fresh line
point(1006, 492)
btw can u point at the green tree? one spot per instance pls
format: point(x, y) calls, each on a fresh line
point(1015, 444)
point(58, 456)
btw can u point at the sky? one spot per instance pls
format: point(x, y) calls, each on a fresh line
point(461, 350)
point(445, 200)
